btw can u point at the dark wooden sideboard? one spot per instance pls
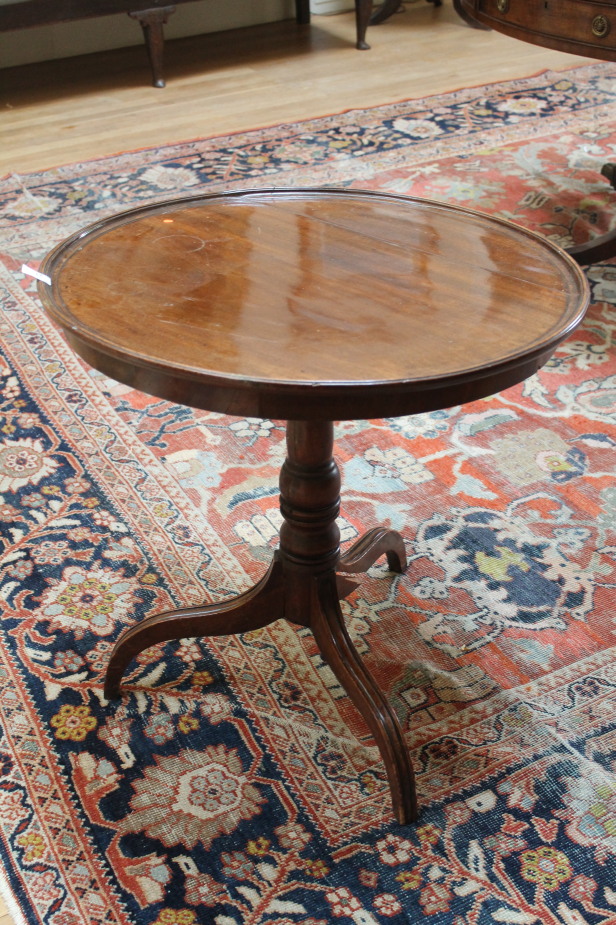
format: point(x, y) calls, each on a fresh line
point(579, 27)
point(151, 14)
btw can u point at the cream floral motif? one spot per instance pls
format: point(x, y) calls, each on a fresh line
point(170, 177)
point(192, 797)
point(594, 398)
point(343, 902)
point(591, 811)
point(252, 428)
point(533, 456)
point(394, 850)
point(399, 463)
point(463, 189)
point(24, 462)
point(387, 904)
point(29, 206)
point(522, 105)
point(417, 128)
point(89, 599)
point(384, 471)
point(44, 889)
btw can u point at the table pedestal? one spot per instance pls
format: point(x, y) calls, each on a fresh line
point(303, 586)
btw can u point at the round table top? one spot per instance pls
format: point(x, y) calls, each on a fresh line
point(312, 303)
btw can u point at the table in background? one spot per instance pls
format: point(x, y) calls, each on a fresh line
point(310, 306)
point(579, 27)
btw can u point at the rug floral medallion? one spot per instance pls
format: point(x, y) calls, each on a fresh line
point(234, 783)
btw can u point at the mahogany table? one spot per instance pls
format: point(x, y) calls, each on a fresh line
point(310, 306)
point(580, 27)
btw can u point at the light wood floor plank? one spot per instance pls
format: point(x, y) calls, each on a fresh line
point(66, 111)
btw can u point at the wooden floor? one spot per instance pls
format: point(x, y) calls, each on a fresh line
point(66, 111)
point(72, 110)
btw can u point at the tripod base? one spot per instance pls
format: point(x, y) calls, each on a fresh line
point(304, 586)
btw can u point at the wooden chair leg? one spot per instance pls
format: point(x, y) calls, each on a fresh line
point(363, 13)
point(152, 22)
point(302, 12)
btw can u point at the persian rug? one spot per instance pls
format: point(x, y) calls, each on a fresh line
point(234, 783)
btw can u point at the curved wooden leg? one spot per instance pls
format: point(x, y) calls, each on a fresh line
point(603, 247)
point(371, 546)
point(385, 10)
point(257, 607)
point(331, 636)
point(468, 19)
point(389, 7)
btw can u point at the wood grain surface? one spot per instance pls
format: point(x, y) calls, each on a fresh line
point(312, 304)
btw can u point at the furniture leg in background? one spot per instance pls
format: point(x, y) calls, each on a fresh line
point(389, 7)
point(363, 18)
point(470, 20)
point(24, 14)
point(152, 22)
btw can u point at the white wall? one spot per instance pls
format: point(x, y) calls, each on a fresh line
point(86, 35)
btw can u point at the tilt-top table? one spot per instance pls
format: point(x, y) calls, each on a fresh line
point(310, 306)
